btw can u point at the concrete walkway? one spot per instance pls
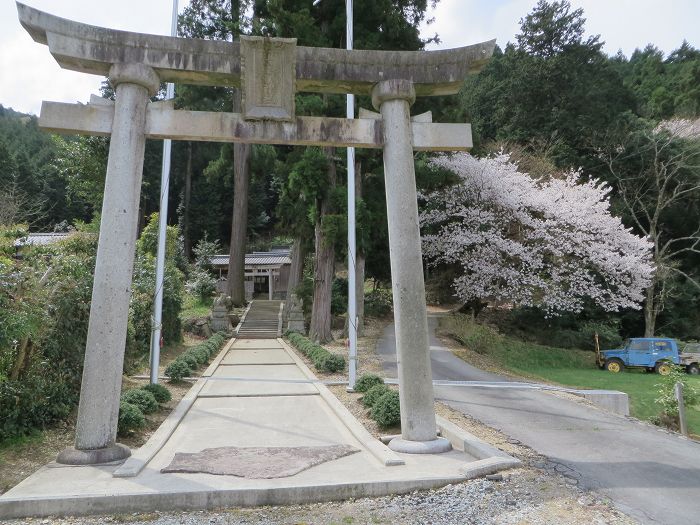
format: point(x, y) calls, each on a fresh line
point(650, 474)
point(257, 393)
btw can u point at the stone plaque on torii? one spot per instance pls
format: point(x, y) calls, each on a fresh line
point(269, 71)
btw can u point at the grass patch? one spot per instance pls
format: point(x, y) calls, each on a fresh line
point(566, 367)
point(194, 307)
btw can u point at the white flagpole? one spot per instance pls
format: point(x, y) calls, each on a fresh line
point(162, 224)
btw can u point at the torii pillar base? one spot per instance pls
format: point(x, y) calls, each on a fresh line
point(99, 456)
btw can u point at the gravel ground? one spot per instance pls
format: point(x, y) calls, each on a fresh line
point(524, 496)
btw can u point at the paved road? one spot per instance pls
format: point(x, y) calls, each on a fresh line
point(649, 474)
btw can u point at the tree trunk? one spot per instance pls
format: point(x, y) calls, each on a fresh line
point(239, 223)
point(296, 271)
point(20, 361)
point(650, 311)
point(360, 293)
point(324, 264)
point(360, 262)
point(186, 238)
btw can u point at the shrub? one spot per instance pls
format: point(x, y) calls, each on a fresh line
point(200, 353)
point(143, 399)
point(201, 284)
point(161, 393)
point(378, 303)
point(367, 381)
point(333, 363)
point(323, 360)
point(373, 394)
point(386, 410)
point(189, 358)
point(667, 395)
point(177, 371)
point(339, 296)
point(130, 418)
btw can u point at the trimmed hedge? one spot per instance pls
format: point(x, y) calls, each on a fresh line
point(373, 394)
point(387, 411)
point(142, 399)
point(367, 381)
point(323, 360)
point(161, 393)
point(130, 418)
point(196, 356)
point(177, 371)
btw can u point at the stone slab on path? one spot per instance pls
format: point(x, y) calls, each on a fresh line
point(250, 415)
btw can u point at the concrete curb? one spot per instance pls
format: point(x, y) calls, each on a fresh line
point(211, 499)
point(140, 458)
point(610, 400)
point(490, 459)
point(381, 452)
point(242, 320)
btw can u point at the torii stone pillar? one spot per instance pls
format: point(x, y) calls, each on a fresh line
point(393, 98)
point(98, 412)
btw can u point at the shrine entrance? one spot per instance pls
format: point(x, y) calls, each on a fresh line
point(269, 71)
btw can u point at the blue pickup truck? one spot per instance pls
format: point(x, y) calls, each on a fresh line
point(655, 354)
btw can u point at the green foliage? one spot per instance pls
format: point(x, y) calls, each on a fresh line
point(201, 284)
point(386, 411)
point(373, 394)
point(204, 250)
point(667, 396)
point(38, 400)
point(160, 393)
point(190, 360)
point(148, 241)
point(517, 355)
point(177, 371)
point(339, 296)
point(566, 331)
point(323, 360)
point(141, 398)
point(378, 303)
point(130, 418)
point(143, 286)
point(367, 381)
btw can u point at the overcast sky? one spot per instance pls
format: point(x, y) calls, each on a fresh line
point(28, 73)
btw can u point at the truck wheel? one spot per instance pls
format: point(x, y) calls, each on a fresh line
point(693, 369)
point(662, 368)
point(614, 365)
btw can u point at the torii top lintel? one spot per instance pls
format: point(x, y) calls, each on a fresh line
point(91, 49)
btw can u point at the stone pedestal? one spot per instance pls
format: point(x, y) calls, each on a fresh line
point(98, 412)
point(219, 316)
point(295, 316)
point(393, 99)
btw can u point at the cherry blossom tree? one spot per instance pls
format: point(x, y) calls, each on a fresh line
point(551, 243)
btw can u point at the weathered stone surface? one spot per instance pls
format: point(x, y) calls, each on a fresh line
point(96, 427)
point(295, 317)
point(91, 49)
point(393, 99)
point(257, 462)
point(96, 119)
point(268, 77)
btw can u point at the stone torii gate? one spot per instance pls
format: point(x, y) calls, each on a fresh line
point(269, 71)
